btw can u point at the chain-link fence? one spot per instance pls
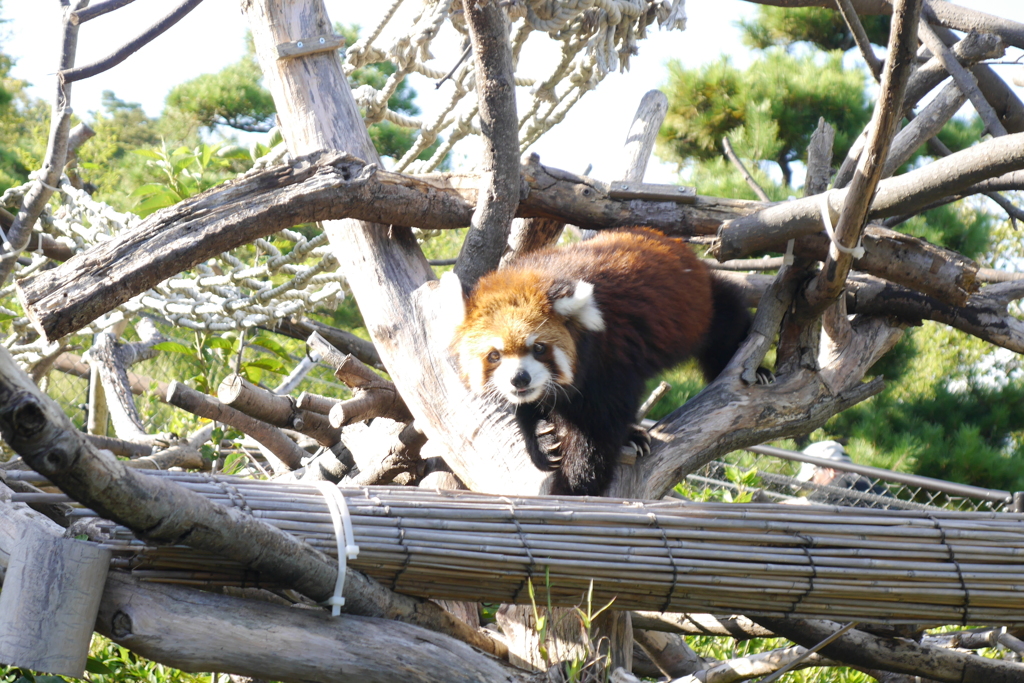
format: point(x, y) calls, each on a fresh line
point(781, 476)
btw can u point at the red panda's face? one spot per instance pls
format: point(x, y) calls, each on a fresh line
point(515, 340)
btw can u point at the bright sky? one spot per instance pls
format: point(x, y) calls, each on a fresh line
point(211, 37)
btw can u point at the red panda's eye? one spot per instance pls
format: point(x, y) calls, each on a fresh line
point(493, 357)
point(539, 349)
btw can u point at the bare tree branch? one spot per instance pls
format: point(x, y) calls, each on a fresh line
point(48, 176)
point(231, 634)
point(99, 9)
point(826, 287)
point(496, 205)
point(751, 183)
point(964, 80)
point(862, 649)
point(910, 192)
point(160, 511)
point(284, 449)
point(860, 36)
point(69, 75)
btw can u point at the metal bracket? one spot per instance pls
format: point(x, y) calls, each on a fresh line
point(624, 189)
point(309, 46)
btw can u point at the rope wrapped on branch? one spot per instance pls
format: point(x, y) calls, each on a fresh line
point(767, 560)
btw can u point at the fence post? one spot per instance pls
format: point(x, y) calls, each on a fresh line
point(49, 603)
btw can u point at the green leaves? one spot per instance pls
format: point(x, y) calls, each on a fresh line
point(769, 111)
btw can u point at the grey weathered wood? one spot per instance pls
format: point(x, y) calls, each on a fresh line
point(965, 81)
point(198, 403)
point(866, 650)
point(274, 409)
point(643, 133)
point(61, 300)
point(56, 150)
point(384, 266)
point(669, 652)
point(970, 50)
point(310, 45)
point(925, 125)
point(622, 189)
point(301, 328)
point(530, 234)
point(906, 193)
point(494, 75)
point(827, 285)
point(164, 513)
point(49, 603)
point(202, 631)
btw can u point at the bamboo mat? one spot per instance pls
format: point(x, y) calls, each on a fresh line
point(848, 564)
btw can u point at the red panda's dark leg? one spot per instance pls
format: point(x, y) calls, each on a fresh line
point(730, 324)
point(529, 417)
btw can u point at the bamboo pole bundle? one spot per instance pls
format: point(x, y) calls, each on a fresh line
point(799, 561)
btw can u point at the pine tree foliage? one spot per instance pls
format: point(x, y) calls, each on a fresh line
point(823, 28)
point(952, 409)
point(710, 102)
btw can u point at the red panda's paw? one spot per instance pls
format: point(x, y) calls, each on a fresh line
point(549, 445)
point(640, 440)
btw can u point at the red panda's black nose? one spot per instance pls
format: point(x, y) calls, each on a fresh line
point(521, 379)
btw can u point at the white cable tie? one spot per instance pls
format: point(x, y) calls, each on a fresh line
point(826, 217)
point(38, 178)
point(787, 260)
point(344, 538)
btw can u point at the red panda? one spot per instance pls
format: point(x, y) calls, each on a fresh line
point(570, 335)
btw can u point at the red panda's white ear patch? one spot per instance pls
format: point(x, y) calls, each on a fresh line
point(580, 306)
point(453, 303)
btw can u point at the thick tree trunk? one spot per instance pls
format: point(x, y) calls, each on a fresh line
point(383, 264)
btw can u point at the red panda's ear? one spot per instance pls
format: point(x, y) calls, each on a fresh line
point(575, 301)
point(452, 301)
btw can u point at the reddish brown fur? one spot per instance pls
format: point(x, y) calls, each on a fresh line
point(659, 305)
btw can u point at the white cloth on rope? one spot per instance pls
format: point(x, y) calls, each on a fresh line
point(343, 535)
point(826, 216)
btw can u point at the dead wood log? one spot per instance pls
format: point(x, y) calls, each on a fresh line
point(162, 512)
point(318, 187)
point(224, 633)
point(128, 449)
point(827, 286)
point(73, 364)
point(180, 455)
point(737, 627)
point(498, 198)
point(907, 193)
point(669, 652)
point(984, 315)
point(284, 449)
point(382, 456)
point(374, 396)
point(280, 411)
point(301, 328)
point(110, 361)
point(863, 649)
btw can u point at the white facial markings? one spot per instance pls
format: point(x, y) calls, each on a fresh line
point(510, 367)
point(563, 365)
point(581, 307)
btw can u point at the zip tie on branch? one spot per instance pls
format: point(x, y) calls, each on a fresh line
point(826, 217)
point(343, 536)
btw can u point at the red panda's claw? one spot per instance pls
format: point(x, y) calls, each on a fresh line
point(640, 439)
